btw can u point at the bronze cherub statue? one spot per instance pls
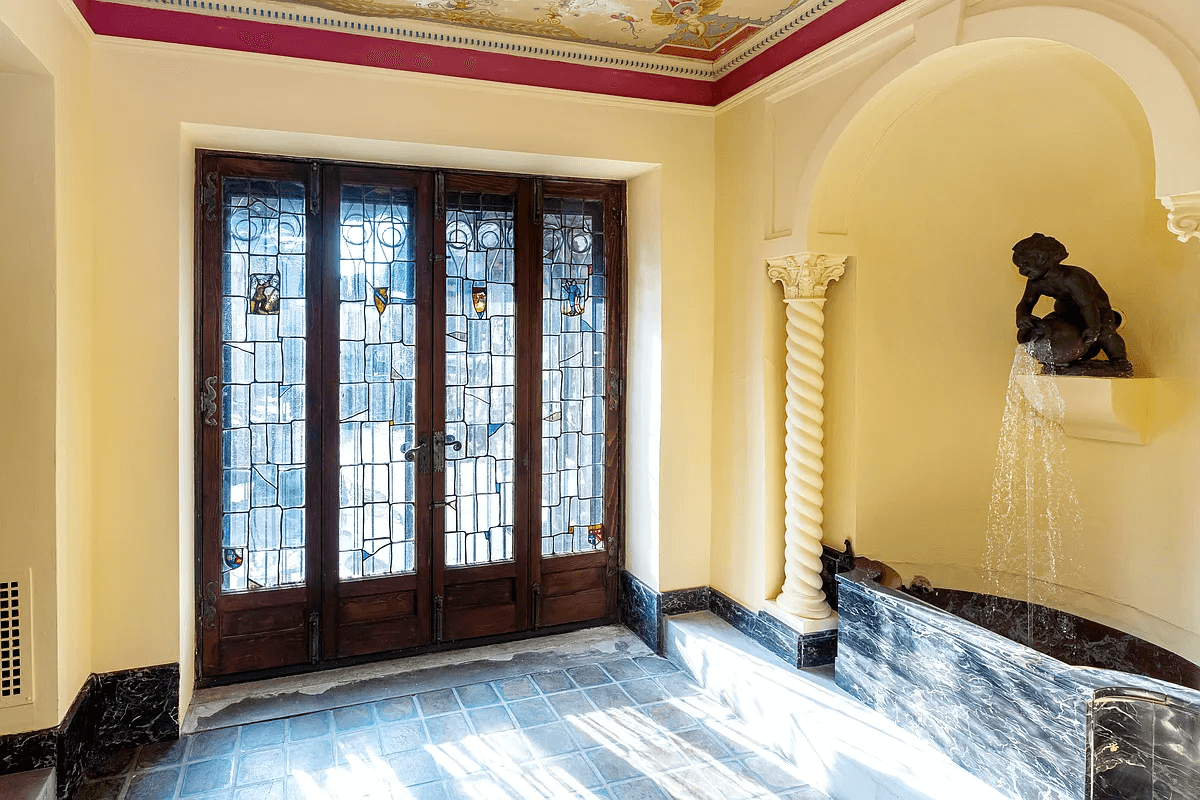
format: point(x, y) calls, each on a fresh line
point(1067, 340)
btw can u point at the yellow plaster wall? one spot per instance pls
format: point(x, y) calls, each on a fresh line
point(45, 268)
point(1044, 139)
point(153, 103)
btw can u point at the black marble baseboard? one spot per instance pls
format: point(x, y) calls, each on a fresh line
point(111, 711)
point(644, 611)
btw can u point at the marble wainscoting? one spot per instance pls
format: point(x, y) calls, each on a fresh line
point(1021, 721)
point(112, 711)
point(644, 611)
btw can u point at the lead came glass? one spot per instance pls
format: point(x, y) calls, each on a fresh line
point(263, 320)
point(573, 386)
point(480, 378)
point(377, 372)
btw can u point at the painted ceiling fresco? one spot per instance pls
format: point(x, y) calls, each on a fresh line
point(698, 29)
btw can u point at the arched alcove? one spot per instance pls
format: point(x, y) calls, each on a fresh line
point(928, 187)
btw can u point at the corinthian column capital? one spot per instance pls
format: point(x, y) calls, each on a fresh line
point(805, 276)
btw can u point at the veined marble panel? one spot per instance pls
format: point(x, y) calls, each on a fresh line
point(1010, 715)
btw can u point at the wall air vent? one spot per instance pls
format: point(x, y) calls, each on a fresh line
point(14, 689)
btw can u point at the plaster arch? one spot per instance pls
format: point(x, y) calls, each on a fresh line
point(1154, 77)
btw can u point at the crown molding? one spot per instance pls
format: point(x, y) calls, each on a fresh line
point(402, 76)
point(891, 28)
point(78, 20)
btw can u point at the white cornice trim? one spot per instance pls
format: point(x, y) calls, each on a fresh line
point(889, 28)
point(402, 76)
point(76, 16)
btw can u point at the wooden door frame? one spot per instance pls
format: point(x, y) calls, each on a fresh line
point(614, 195)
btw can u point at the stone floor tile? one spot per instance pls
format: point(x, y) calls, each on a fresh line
point(401, 736)
point(679, 685)
point(263, 734)
point(275, 790)
point(311, 755)
point(613, 767)
point(222, 794)
point(669, 717)
point(309, 726)
point(476, 695)
point(701, 743)
point(734, 738)
point(157, 785)
point(572, 772)
point(623, 669)
point(261, 766)
point(571, 704)
point(447, 728)
point(607, 697)
point(508, 747)
point(773, 773)
point(362, 745)
point(202, 777)
point(427, 791)
point(112, 762)
point(353, 717)
point(516, 688)
point(395, 709)
point(161, 754)
point(645, 690)
point(807, 793)
point(105, 789)
point(589, 675)
point(642, 789)
point(414, 767)
point(442, 701)
point(492, 719)
point(587, 736)
point(546, 741)
point(554, 681)
point(656, 754)
point(656, 665)
point(213, 743)
point(534, 711)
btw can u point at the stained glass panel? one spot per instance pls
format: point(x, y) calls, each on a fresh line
point(481, 348)
point(573, 386)
point(377, 373)
point(263, 384)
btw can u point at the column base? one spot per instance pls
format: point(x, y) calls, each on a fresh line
point(799, 624)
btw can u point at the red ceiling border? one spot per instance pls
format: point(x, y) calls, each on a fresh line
point(250, 36)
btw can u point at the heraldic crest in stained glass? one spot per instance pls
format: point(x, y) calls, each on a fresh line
point(234, 557)
point(265, 300)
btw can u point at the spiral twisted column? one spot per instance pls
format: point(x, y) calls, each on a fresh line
point(805, 278)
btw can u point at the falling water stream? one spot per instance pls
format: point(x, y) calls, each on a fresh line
point(1034, 516)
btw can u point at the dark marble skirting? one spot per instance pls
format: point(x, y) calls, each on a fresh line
point(644, 611)
point(1022, 721)
point(111, 711)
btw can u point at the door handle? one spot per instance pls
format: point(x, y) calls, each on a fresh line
point(419, 454)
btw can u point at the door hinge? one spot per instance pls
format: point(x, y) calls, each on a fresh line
point(614, 389)
point(420, 454)
point(314, 190)
point(439, 196)
point(539, 203)
point(314, 636)
point(208, 606)
point(208, 402)
point(537, 605)
point(437, 618)
point(208, 197)
point(620, 215)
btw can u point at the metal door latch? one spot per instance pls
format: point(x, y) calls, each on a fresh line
point(440, 441)
point(208, 402)
point(437, 618)
point(420, 454)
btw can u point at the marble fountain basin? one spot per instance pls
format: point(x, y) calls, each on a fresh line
point(1027, 724)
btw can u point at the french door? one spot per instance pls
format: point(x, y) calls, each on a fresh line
point(410, 423)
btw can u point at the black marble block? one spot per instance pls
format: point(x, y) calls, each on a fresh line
point(21, 752)
point(1144, 746)
point(1015, 718)
point(684, 601)
point(639, 610)
point(798, 649)
point(112, 711)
